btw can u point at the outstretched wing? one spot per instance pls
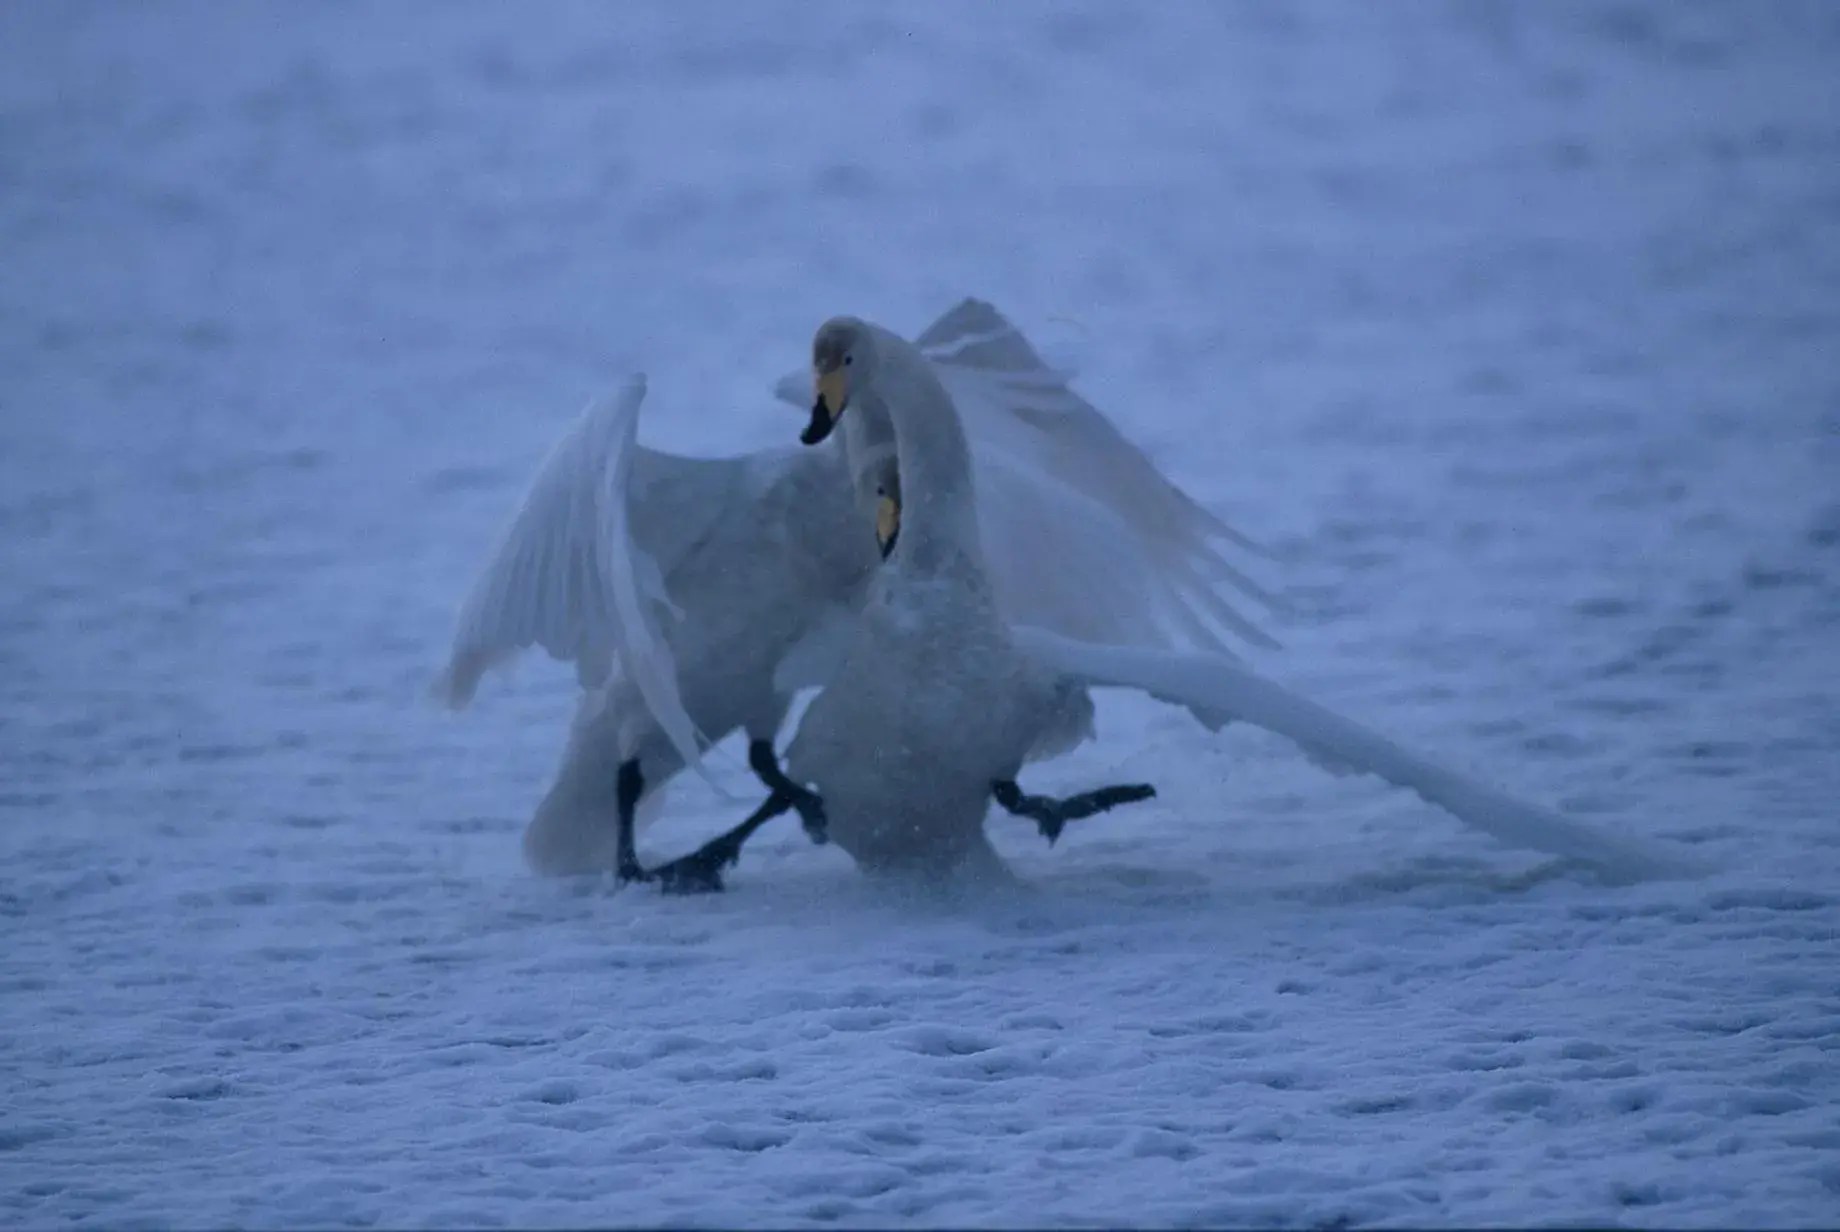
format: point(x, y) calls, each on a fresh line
point(569, 576)
point(1217, 685)
point(1079, 444)
point(1060, 559)
point(1082, 532)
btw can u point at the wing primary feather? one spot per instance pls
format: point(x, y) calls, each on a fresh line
point(1220, 686)
point(567, 575)
point(1198, 633)
point(642, 649)
point(1212, 526)
point(1202, 558)
point(1206, 604)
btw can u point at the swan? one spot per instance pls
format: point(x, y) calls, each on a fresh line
point(934, 701)
point(609, 534)
point(696, 596)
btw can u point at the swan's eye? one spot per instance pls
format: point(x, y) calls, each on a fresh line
point(848, 360)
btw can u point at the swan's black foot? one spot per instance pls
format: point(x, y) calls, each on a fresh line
point(802, 800)
point(810, 808)
point(1051, 815)
point(700, 872)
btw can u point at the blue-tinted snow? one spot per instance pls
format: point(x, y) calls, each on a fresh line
point(1510, 326)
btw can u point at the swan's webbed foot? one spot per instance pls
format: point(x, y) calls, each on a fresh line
point(629, 787)
point(697, 873)
point(1051, 815)
point(700, 872)
point(802, 800)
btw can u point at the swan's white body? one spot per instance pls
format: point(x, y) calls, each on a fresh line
point(675, 623)
point(695, 595)
point(934, 696)
point(929, 703)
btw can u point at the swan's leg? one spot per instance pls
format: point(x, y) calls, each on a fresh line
point(700, 872)
point(1051, 814)
point(631, 785)
point(809, 804)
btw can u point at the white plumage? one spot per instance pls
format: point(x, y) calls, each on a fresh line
point(935, 699)
point(693, 595)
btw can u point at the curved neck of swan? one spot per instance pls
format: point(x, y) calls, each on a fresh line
point(868, 445)
point(937, 494)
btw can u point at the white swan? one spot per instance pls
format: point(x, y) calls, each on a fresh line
point(934, 701)
point(694, 595)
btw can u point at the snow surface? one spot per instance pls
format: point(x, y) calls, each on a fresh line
point(1510, 326)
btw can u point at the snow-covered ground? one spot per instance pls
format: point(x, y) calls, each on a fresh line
point(1512, 328)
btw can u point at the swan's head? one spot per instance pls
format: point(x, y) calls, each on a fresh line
point(842, 361)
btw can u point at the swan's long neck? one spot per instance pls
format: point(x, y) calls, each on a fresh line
point(938, 494)
point(868, 444)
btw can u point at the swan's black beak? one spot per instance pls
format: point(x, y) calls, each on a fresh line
point(887, 524)
point(822, 421)
point(833, 394)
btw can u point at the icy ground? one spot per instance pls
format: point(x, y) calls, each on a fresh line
point(1512, 328)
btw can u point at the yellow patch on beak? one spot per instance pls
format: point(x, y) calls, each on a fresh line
point(887, 524)
point(833, 390)
point(833, 394)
